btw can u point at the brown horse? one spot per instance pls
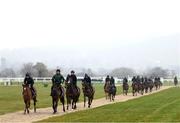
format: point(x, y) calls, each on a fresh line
point(134, 88)
point(125, 88)
point(88, 92)
point(72, 95)
point(106, 89)
point(110, 91)
point(27, 96)
point(57, 93)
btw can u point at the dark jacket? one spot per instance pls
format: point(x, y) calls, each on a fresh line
point(57, 79)
point(29, 81)
point(112, 82)
point(87, 80)
point(107, 79)
point(73, 79)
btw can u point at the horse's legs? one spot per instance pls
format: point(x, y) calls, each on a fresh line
point(75, 105)
point(72, 104)
point(68, 102)
point(84, 101)
point(34, 104)
point(62, 101)
point(133, 91)
point(28, 106)
point(25, 108)
point(110, 97)
point(53, 106)
point(89, 102)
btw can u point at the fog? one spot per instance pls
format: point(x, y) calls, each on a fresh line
point(91, 34)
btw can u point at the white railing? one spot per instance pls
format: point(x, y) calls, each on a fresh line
point(10, 81)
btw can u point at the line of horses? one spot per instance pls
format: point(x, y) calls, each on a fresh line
point(72, 93)
point(142, 87)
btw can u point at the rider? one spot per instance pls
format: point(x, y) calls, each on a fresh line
point(112, 81)
point(28, 80)
point(138, 79)
point(87, 79)
point(175, 80)
point(142, 80)
point(57, 80)
point(134, 79)
point(107, 80)
point(125, 81)
point(73, 79)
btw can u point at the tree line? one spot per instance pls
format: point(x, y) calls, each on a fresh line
point(41, 70)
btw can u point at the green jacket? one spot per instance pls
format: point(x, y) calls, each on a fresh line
point(57, 79)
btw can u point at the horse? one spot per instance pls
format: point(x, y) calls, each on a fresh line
point(106, 89)
point(88, 92)
point(72, 95)
point(151, 85)
point(134, 88)
point(27, 97)
point(141, 88)
point(146, 86)
point(112, 92)
point(57, 94)
point(125, 88)
point(156, 84)
point(175, 82)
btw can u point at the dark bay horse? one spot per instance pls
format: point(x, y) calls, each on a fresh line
point(88, 92)
point(151, 85)
point(134, 88)
point(110, 91)
point(141, 88)
point(146, 86)
point(57, 94)
point(27, 96)
point(72, 95)
point(156, 84)
point(125, 88)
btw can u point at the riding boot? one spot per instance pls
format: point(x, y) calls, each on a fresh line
point(33, 94)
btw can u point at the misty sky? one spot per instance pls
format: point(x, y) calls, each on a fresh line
point(96, 33)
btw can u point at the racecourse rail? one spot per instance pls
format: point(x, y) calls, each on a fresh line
point(18, 81)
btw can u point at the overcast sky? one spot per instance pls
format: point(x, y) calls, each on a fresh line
point(93, 33)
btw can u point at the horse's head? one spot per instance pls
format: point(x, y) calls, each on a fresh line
point(26, 90)
point(25, 87)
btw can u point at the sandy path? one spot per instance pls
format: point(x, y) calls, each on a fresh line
point(44, 113)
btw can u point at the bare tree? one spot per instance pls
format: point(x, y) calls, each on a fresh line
point(8, 72)
point(123, 72)
point(41, 69)
point(28, 68)
point(157, 72)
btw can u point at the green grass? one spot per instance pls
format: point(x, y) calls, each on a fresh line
point(11, 97)
point(160, 107)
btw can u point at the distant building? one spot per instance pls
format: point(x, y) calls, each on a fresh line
point(3, 63)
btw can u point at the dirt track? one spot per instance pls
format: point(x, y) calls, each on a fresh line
point(44, 113)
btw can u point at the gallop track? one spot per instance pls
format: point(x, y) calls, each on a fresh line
point(44, 113)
